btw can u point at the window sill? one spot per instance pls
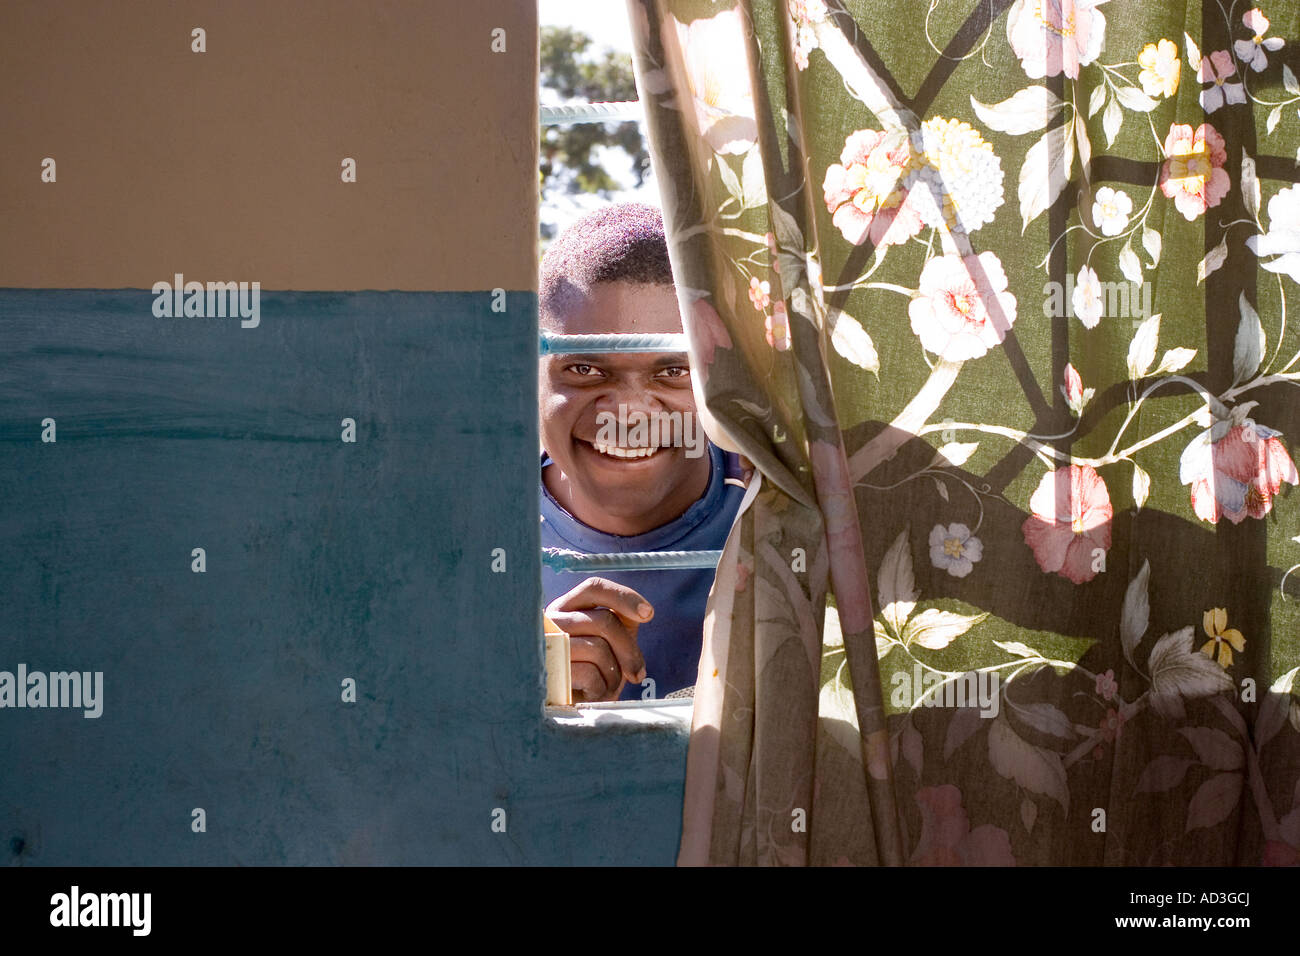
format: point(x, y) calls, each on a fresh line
point(623, 716)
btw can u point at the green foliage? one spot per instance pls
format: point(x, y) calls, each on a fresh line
point(571, 68)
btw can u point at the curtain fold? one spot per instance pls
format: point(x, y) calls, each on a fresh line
point(994, 294)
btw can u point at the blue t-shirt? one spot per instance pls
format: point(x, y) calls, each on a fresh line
point(671, 640)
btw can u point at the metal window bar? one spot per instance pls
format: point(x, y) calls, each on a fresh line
point(576, 562)
point(630, 112)
point(553, 343)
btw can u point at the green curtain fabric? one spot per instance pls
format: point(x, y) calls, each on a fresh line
point(995, 295)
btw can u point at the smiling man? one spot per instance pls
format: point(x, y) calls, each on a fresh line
point(619, 473)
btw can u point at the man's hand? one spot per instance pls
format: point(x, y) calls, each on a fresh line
point(748, 469)
point(601, 619)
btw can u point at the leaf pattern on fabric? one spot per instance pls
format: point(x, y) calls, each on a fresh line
point(996, 300)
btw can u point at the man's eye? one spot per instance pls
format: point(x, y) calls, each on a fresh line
point(583, 369)
point(677, 371)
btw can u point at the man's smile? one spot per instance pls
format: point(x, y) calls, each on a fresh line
point(621, 454)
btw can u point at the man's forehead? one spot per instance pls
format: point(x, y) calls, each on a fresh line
point(608, 307)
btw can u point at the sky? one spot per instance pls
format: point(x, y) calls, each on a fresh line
point(605, 21)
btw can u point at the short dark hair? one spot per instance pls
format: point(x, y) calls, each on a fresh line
point(619, 243)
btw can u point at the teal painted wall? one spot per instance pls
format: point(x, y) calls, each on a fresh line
point(325, 560)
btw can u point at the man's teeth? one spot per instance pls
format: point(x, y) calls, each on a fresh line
point(616, 452)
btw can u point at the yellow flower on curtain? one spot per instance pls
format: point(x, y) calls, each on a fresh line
point(888, 183)
point(1160, 68)
point(1223, 639)
point(960, 179)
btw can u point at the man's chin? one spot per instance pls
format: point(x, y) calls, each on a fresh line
point(626, 488)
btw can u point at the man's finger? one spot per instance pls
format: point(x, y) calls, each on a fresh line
point(630, 606)
point(595, 652)
point(604, 623)
point(747, 469)
point(588, 684)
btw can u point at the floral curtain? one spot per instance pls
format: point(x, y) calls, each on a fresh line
point(995, 295)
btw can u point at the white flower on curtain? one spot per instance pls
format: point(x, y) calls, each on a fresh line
point(717, 74)
point(963, 308)
point(1056, 36)
point(1110, 210)
point(958, 183)
point(1086, 297)
point(1283, 236)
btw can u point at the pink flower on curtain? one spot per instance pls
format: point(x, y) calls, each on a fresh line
point(1076, 396)
point(1054, 36)
point(840, 510)
point(1216, 68)
point(803, 14)
point(1280, 853)
point(1193, 175)
point(864, 190)
point(717, 73)
point(963, 308)
point(947, 838)
point(1238, 475)
point(707, 330)
point(777, 327)
point(1072, 388)
point(1070, 521)
point(1112, 724)
point(773, 252)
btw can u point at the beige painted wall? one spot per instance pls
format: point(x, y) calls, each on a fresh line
point(225, 165)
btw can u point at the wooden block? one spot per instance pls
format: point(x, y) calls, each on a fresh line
point(559, 676)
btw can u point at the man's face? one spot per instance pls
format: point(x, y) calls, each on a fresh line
point(614, 492)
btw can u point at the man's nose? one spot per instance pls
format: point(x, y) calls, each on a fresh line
point(629, 395)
